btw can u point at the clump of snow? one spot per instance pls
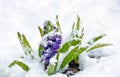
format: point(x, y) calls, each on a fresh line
point(53, 60)
point(4, 72)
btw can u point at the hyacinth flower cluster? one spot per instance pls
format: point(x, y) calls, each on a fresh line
point(51, 42)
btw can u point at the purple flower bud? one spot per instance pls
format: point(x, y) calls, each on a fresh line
point(55, 46)
point(58, 41)
point(53, 54)
point(49, 45)
point(45, 47)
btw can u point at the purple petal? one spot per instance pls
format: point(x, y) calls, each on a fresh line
point(42, 53)
point(55, 46)
point(58, 41)
point(52, 54)
point(49, 44)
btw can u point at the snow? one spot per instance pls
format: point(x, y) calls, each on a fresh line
point(53, 60)
point(97, 16)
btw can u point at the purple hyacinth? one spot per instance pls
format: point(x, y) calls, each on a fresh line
point(51, 42)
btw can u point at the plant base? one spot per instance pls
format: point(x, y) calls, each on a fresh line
point(72, 69)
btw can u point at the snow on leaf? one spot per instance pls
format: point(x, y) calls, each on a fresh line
point(40, 30)
point(96, 39)
point(40, 50)
point(25, 45)
point(72, 55)
point(67, 45)
point(58, 24)
point(20, 64)
point(51, 69)
point(78, 23)
point(98, 46)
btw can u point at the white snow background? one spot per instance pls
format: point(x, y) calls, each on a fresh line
point(97, 16)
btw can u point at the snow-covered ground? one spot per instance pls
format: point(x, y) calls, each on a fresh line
point(97, 16)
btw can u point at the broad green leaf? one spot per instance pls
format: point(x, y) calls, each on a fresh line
point(25, 45)
point(58, 24)
point(40, 30)
point(20, 64)
point(76, 60)
point(67, 45)
point(65, 48)
point(74, 42)
point(96, 39)
point(51, 69)
point(67, 59)
point(75, 52)
point(98, 46)
point(40, 50)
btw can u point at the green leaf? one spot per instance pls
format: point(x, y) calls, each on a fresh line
point(51, 69)
point(57, 21)
point(25, 44)
point(75, 52)
point(81, 36)
point(73, 26)
point(82, 30)
point(96, 39)
point(19, 36)
point(81, 33)
point(20, 64)
point(74, 42)
point(47, 27)
point(40, 30)
point(57, 58)
point(78, 23)
point(58, 24)
point(73, 30)
point(76, 28)
point(67, 45)
point(40, 50)
point(98, 46)
point(50, 27)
